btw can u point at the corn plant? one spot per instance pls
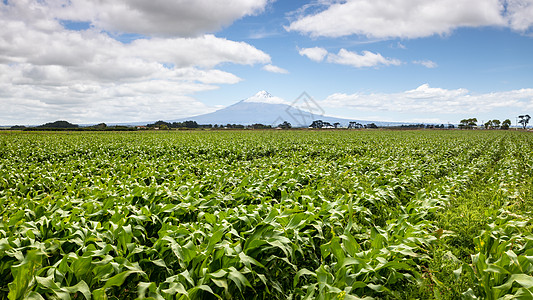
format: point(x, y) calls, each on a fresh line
point(269, 214)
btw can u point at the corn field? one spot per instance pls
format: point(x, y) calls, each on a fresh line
point(266, 215)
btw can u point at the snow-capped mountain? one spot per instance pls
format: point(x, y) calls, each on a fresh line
point(265, 97)
point(263, 108)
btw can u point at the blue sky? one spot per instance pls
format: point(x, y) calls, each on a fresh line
point(412, 61)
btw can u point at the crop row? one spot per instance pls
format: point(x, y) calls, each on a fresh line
point(296, 215)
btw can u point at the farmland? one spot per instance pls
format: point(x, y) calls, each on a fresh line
point(266, 214)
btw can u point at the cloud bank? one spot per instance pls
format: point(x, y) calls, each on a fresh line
point(182, 18)
point(48, 71)
point(429, 100)
point(411, 18)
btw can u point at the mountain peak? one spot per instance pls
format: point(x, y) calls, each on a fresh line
point(265, 97)
point(263, 94)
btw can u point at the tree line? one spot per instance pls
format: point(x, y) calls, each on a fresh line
point(470, 123)
point(493, 124)
point(162, 125)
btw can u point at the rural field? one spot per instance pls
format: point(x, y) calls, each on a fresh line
point(266, 215)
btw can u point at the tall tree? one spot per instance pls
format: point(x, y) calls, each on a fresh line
point(524, 120)
point(472, 122)
point(506, 124)
point(354, 125)
point(468, 123)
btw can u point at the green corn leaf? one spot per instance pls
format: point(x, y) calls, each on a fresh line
point(523, 294)
point(350, 244)
point(457, 273)
point(82, 266)
point(214, 239)
point(176, 288)
point(469, 294)
point(80, 287)
point(116, 280)
point(219, 273)
point(238, 278)
point(187, 277)
point(301, 273)
point(514, 259)
point(496, 269)
point(153, 291)
point(202, 287)
point(23, 275)
point(248, 261)
point(223, 283)
point(523, 280)
point(34, 296)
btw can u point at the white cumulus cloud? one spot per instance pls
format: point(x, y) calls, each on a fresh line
point(275, 69)
point(366, 59)
point(158, 17)
point(349, 58)
point(520, 14)
point(412, 18)
point(428, 100)
point(426, 63)
point(315, 54)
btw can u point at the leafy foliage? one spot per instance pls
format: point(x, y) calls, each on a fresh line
point(269, 214)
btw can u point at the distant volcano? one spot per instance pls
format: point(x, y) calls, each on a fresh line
point(263, 108)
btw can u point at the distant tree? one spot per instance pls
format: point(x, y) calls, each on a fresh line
point(468, 123)
point(120, 128)
point(260, 126)
point(317, 124)
point(354, 125)
point(159, 124)
point(190, 124)
point(17, 127)
point(472, 123)
point(59, 124)
point(285, 125)
point(336, 125)
point(371, 125)
point(451, 126)
point(327, 125)
point(524, 120)
point(99, 126)
point(496, 124)
point(412, 126)
point(506, 124)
